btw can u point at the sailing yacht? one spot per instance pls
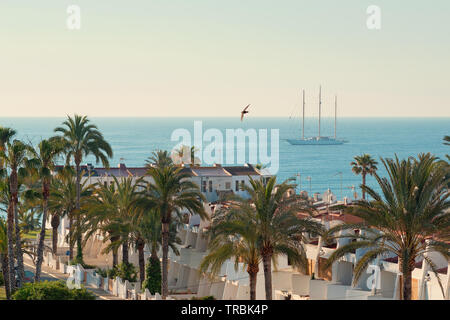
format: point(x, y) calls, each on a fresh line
point(319, 140)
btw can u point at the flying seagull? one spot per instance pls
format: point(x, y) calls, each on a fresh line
point(244, 112)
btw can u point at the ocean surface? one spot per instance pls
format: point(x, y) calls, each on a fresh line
point(134, 139)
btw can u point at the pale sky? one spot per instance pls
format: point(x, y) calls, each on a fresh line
point(211, 58)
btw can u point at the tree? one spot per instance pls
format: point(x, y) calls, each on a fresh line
point(170, 192)
point(81, 139)
point(43, 163)
point(153, 279)
point(234, 237)
point(364, 165)
point(275, 209)
point(147, 230)
point(62, 202)
point(409, 219)
point(4, 256)
point(15, 158)
point(6, 134)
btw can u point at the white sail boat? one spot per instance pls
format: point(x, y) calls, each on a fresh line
point(319, 140)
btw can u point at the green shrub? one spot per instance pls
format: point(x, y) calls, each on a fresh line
point(126, 271)
point(102, 272)
point(2, 280)
point(51, 290)
point(152, 276)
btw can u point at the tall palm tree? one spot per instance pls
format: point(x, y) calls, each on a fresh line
point(82, 139)
point(4, 256)
point(234, 237)
point(364, 165)
point(43, 163)
point(15, 158)
point(275, 210)
point(413, 208)
point(6, 134)
point(170, 192)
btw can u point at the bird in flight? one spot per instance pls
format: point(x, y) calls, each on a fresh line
point(243, 112)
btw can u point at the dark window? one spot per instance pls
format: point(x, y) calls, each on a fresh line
point(210, 186)
point(237, 185)
point(203, 186)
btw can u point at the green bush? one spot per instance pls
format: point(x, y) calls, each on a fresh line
point(102, 272)
point(2, 280)
point(51, 290)
point(126, 271)
point(153, 276)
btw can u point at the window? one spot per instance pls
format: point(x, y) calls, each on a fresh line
point(105, 184)
point(203, 186)
point(227, 185)
point(210, 185)
point(237, 185)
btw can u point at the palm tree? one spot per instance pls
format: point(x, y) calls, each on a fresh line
point(280, 230)
point(364, 165)
point(147, 230)
point(82, 139)
point(112, 210)
point(62, 202)
point(409, 219)
point(43, 163)
point(234, 237)
point(4, 256)
point(170, 192)
point(6, 134)
point(15, 158)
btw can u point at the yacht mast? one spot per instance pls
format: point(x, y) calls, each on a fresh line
point(303, 124)
point(320, 104)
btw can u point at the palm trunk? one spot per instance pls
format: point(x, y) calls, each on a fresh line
point(125, 256)
point(406, 279)
point(70, 239)
point(165, 260)
point(40, 250)
point(140, 247)
point(5, 271)
point(363, 183)
point(19, 254)
point(79, 238)
point(10, 233)
point(267, 263)
point(55, 224)
point(115, 261)
point(252, 271)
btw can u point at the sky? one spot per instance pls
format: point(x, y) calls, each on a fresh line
point(211, 58)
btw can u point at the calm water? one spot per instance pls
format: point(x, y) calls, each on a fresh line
point(133, 139)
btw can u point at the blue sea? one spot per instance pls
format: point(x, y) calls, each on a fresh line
point(134, 139)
